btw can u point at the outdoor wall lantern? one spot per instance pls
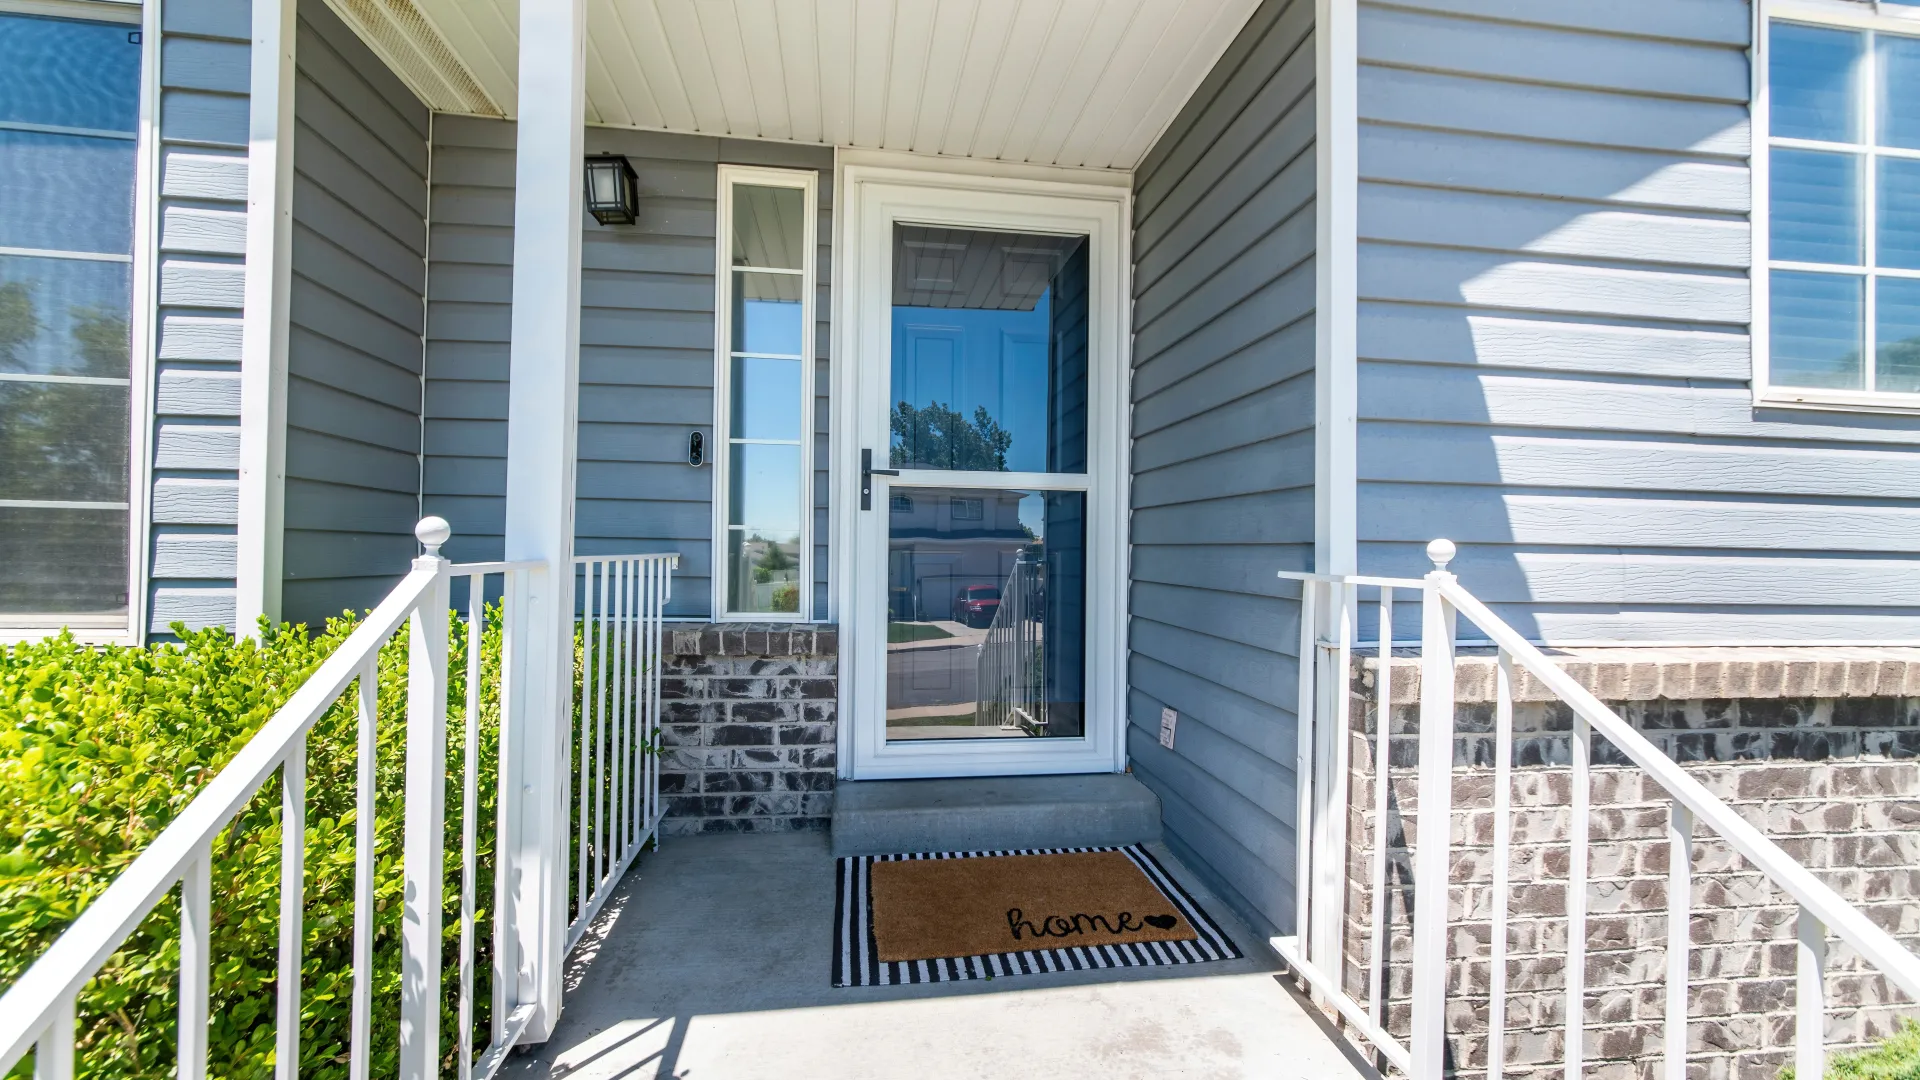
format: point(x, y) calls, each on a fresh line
point(611, 197)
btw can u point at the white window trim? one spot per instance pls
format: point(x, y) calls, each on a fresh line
point(112, 630)
point(1843, 14)
point(720, 455)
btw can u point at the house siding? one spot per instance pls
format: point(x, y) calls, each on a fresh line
point(204, 73)
point(1223, 458)
point(357, 318)
point(646, 348)
point(1554, 357)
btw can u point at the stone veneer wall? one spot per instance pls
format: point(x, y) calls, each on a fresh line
point(1833, 779)
point(748, 728)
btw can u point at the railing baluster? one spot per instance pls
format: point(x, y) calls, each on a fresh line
point(469, 814)
point(1679, 926)
point(504, 961)
point(424, 840)
point(1303, 720)
point(1502, 853)
point(1433, 828)
point(360, 1039)
point(53, 1054)
point(636, 811)
point(1810, 998)
point(622, 720)
point(589, 714)
point(1576, 1007)
point(1382, 729)
point(293, 872)
point(196, 914)
point(653, 700)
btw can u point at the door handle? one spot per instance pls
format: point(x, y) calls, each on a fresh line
point(867, 473)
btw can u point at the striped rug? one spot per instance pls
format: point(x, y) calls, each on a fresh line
point(856, 960)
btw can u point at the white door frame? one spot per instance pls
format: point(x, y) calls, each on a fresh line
point(871, 197)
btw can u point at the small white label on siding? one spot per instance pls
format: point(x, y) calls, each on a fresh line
point(1168, 720)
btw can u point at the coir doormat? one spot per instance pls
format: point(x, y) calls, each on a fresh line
point(984, 914)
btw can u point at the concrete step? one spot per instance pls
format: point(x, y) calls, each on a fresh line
point(879, 817)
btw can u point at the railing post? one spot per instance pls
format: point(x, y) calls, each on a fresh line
point(1810, 998)
point(424, 828)
point(1432, 829)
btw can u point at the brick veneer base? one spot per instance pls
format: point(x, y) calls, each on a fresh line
point(749, 721)
point(1834, 781)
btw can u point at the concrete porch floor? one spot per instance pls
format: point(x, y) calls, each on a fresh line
point(712, 963)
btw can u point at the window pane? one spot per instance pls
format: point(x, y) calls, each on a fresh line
point(63, 443)
point(1817, 335)
point(65, 316)
point(763, 571)
point(1899, 99)
point(38, 174)
point(769, 226)
point(67, 73)
point(767, 313)
point(1899, 215)
point(58, 563)
point(989, 365)
point(764, 488)
point(766, 398)
point(1815, 205)
point(986, 615)
point(1897, 333)
point(1812, 76)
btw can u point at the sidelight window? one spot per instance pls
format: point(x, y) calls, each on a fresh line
point(763, 564)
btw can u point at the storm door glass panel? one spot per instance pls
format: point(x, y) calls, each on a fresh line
point(989, 358)
point(69, 99)
point(986, 614)
point(767, 384)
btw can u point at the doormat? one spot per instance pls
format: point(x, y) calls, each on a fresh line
point(986, 914)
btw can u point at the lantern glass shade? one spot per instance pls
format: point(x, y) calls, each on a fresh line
point(610, 190)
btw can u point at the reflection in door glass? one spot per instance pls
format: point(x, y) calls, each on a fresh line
point(989, 351)
point(986, 614)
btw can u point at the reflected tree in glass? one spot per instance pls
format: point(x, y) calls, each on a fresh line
point(936, 436)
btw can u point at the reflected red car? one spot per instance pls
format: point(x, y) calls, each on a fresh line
point(975, 605)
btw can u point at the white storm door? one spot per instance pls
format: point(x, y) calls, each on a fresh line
point(983, 589)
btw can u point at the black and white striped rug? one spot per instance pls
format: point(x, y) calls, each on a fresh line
point(856, 960)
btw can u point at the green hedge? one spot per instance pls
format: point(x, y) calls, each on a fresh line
point(1896, 1058)
point(100, 747)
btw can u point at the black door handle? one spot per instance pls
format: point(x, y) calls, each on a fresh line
point(867, 472)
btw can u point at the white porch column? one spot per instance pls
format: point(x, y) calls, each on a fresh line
point(544, 369)
point(268, 282)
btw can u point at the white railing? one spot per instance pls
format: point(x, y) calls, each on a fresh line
point(618, 757)
point(1330, 610)
point(1012, 682)
point(618, 698)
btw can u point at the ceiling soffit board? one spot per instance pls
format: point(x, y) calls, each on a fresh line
point(413, 47)
point(1077, 83)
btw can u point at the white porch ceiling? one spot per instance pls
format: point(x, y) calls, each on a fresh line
point(1085, 83)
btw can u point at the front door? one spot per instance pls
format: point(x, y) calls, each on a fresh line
point(982, 614)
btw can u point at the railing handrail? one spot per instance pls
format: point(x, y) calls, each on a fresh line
point(1876, 945)
point(103, 927)
point(648, 556)
point(1352, 579)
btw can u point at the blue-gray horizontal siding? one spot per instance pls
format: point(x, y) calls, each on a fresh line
point(1554, 357)
point(357, 318)
point(646, 348)
point(196, 420)
point(1223, 416)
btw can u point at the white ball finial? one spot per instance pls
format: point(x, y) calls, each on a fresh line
point(1441, 552)
point(432, 532)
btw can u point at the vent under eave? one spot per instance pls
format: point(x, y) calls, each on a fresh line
point(409, 43)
